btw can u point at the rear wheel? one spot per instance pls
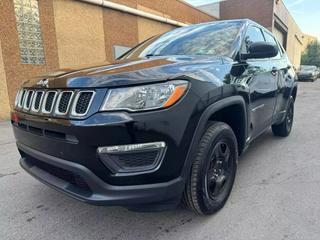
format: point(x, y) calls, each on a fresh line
point(213, 171)
point(284, 128)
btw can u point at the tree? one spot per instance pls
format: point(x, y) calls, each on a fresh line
point(311, 56)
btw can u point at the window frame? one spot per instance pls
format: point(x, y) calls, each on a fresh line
point(237, 57)
point(245, 34)
point(265, 32)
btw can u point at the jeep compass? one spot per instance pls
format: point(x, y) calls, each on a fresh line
point(163, 124)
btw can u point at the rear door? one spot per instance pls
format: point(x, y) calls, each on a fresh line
point(281, 65)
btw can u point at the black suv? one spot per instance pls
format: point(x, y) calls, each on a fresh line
point(164, 123)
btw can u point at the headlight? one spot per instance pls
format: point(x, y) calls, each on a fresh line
point(147, 97)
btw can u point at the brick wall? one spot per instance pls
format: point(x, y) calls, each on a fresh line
point(260, 11)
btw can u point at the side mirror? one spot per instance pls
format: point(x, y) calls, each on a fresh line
point(261, 50)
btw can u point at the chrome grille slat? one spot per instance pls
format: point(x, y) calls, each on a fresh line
point(48, 102)
point(28, 99)
point(18, 96)
point(82, 103)
point(37, 99)
point(63, 102)
point(21, 100)
point(56, 102)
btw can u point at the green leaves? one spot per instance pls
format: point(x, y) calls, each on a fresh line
point(312, 55)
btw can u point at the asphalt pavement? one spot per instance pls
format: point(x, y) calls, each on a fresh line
point(276, 195)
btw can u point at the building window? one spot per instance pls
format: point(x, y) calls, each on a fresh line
point(29, 31)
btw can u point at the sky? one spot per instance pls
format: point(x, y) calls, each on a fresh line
point(305, 12)
point(307, 15)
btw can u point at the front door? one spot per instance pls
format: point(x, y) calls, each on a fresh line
point(263, 89)
point(262, 81)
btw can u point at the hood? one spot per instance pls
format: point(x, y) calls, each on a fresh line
point(129, 72)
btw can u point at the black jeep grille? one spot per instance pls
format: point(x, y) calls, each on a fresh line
point(49, 101)
point(37, 100)
point(83, 102)
point(64, 102)
point(29, 97)
point(59, 103)
point(22, 98)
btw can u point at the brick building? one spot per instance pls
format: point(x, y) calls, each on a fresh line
point(39, 36)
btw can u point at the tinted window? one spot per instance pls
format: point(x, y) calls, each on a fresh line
point(270, 39)
point(204, 39)
point(253, 35)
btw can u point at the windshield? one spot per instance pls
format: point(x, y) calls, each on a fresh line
point(205, 39)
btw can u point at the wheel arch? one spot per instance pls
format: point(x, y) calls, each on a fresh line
point(209, 114)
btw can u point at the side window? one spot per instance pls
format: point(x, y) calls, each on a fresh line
point(271, 39)
point(253, 35)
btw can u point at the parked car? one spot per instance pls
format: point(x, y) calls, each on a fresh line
point(166, 122)
point(308, 73)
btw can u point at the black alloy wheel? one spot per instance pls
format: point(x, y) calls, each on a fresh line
point(213, 171)
point(219, 169)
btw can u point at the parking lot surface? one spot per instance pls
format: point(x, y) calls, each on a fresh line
point(276, 195)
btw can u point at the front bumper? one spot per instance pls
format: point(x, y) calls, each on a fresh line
point(79, 182)
point(64, 153)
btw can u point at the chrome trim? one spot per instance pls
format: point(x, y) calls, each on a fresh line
point(21, 100)
point(132, 147)
point(75, 101)
point(56, 111)
point(257, 108)
point(18, 95)
point(25, 107)
point(118, 169)
point(34, 101)
point(43, 110)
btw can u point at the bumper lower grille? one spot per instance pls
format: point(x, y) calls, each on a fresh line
point(73, 179)
point(134, 160)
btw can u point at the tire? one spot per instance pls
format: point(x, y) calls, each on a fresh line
point(284, 128)
point(210, 182)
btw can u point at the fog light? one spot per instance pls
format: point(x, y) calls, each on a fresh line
point(133, 158)
point(131, 147)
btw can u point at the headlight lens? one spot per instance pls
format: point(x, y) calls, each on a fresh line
point(147, 97)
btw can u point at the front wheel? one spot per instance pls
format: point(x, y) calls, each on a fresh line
point(213, 171)
point(284, 128)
